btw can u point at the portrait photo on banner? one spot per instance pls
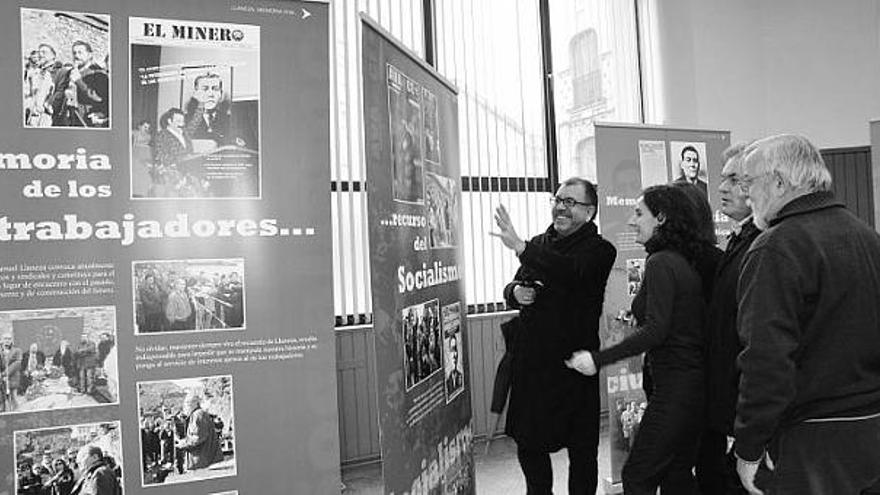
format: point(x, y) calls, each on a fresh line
point(452, 351)
point(195, 111)
point(54, 460)
point(689, 164)
point(62, 358)
point(405, 122)
point(187, 429)
point(188, 295)
point(422, 353)
point(65, 69)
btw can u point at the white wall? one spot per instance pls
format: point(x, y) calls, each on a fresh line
point(759, 67)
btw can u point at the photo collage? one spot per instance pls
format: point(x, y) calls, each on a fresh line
point(194, 134)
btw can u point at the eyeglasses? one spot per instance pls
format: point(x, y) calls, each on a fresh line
point(567, 202)
point(746, 182)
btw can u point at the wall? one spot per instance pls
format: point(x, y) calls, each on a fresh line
point(760, 67)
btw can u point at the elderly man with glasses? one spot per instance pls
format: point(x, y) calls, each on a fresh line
point(809, 320)
point(559, 290)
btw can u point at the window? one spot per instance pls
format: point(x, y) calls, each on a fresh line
point(491, 50)
point(586, 74)
point(351, 270)
point(595, 75)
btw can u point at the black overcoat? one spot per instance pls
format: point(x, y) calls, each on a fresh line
point(552, 406)
point(722, 339)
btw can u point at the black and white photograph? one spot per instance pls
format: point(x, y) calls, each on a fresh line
point(452, 351)
point(53, 359)
point(65, 69)
point(422, 341)
point(195, 116)
point(442, 210)
point(689, 164)
point(82, 458)
point(635, 269)
point(432, 127)
point(405, 120)
point(187, 429)
point(188, 295)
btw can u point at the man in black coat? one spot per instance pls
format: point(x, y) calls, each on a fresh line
point(809, 390)
point(716, 466)
point(559, 290)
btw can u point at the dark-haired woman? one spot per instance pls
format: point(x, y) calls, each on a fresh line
point(669, 311)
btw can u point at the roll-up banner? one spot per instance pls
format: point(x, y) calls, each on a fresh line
point(416, 269)
point(165, 284)
point(629, 159)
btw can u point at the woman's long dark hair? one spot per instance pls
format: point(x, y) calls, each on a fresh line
point(703, 210)
point(683, 229)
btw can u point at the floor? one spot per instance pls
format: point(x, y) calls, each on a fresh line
point(497, 470)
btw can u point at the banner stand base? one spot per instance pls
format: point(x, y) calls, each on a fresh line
point(610, 487)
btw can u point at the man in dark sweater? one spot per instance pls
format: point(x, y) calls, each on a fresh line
point(558, 289)
point(716, 467)
point(809, 320)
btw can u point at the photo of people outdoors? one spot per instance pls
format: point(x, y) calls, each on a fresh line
point(635, 269)
point(75, 459)
point(188, 295)
point(422, 346)
point(432, 127)
point(405, 117)
point(54, 359)
point(442, 212)
point(452, 351)
point(66, 69)
point(187, 429)
point(194, 113)
point(629, 418)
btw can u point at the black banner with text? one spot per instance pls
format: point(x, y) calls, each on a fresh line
point(420, 316)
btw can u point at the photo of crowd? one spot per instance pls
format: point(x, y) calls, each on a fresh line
point(194, 115)
point(187, 429)
point(76, 459)
point(66, 69)
point(188, 295)
point(57, 359)
point(422, 342)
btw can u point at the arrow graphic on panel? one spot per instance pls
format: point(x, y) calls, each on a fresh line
point(306, 14)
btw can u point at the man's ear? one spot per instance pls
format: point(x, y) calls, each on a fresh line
point(661, 219)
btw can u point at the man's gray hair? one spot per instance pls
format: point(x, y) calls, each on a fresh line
point(794, 160)
point(735, 150)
